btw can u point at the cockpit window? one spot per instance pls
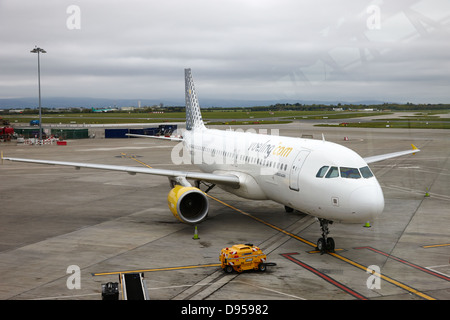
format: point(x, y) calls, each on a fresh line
point(350, 173)
point(332, 173)
point(345, 172)
point(322, 172)
point(366, 173)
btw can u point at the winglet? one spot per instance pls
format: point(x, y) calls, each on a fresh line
point(415, 148)
point(2, 155)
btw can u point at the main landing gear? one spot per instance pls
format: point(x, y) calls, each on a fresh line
point(325, 244)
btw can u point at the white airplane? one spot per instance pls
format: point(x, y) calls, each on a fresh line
point(316, 177)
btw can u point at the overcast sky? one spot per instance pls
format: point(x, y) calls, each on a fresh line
point(350, 50)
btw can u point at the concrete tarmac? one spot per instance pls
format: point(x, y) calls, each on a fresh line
point(54, 220)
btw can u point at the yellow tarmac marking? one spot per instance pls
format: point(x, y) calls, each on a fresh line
point(436, 245)
point(133, 158)
point(386, 278)
point(156, 269)
point(355, 264)
point(264, 222)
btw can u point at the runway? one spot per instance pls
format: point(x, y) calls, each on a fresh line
point(105, 223)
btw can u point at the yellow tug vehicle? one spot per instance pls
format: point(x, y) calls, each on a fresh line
point(242, 257)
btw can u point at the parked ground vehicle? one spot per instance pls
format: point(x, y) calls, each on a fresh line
point(242, 257)
point(6, 133)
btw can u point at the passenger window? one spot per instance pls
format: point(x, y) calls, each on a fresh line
point(350, 173)
point(366, 173)
point(322, 172)
point(333, 173)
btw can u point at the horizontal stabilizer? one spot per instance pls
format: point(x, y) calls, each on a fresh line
point(153, 137)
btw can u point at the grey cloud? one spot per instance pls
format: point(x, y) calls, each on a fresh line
point(263, 49)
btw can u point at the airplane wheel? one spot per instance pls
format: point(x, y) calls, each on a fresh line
point(330, 244)
point(321, 244)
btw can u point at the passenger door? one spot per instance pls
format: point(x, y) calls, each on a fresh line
point(296, 168)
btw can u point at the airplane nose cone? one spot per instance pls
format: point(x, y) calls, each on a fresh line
point(367, 202)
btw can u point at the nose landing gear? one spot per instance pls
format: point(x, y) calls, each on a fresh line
point(325, 244)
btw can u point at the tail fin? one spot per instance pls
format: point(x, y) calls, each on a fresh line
point(193, 114)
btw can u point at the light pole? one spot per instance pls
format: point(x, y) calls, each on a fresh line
point(39, 51)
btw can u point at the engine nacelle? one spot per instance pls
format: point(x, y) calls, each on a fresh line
point(188, 204)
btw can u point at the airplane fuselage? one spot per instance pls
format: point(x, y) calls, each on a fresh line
point(316, 177)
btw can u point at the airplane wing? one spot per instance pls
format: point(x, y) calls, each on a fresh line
point(391, 155)
point(230, 180)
